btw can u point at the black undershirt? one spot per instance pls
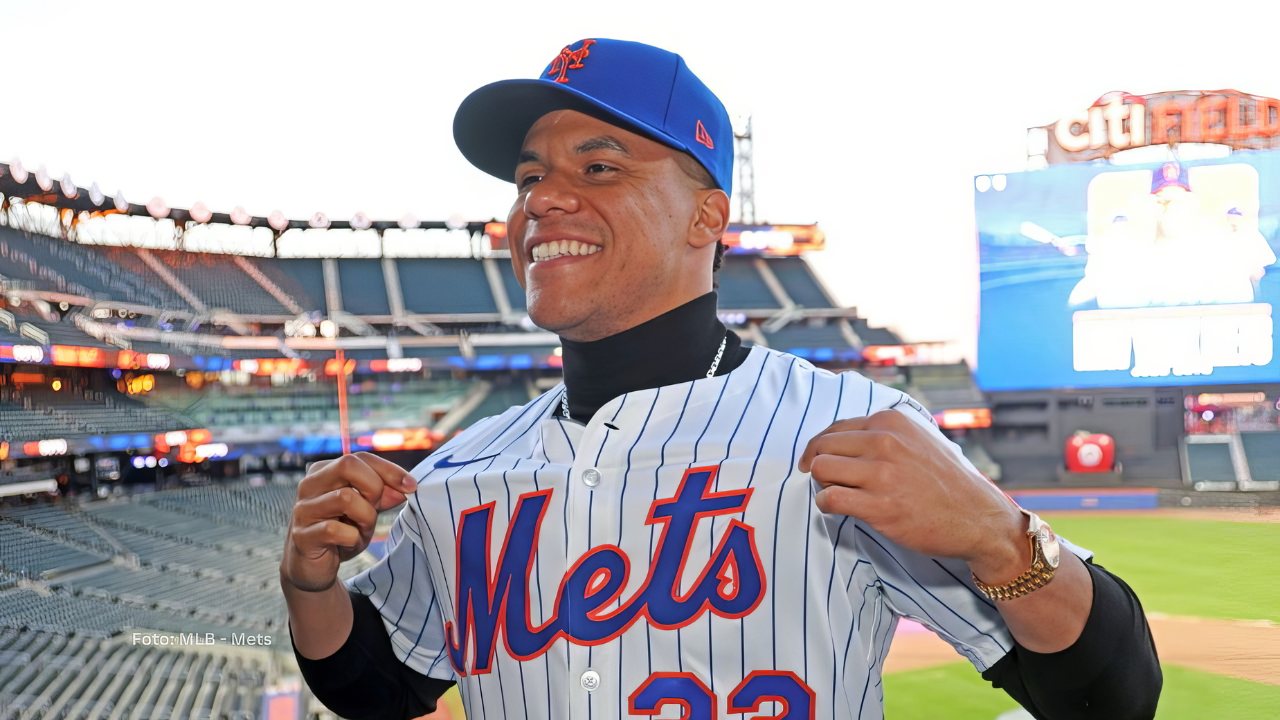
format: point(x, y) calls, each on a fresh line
point(675, 347)
point(1110, 672)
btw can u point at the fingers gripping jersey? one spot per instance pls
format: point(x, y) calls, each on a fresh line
point(665, 558)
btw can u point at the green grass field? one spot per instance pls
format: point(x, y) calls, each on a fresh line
point(1178, 566)
point(956, 692)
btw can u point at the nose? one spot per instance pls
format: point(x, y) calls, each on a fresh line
point(552, 193)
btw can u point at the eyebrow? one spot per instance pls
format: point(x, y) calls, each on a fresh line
point(603, 142)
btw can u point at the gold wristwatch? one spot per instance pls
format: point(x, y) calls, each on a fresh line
point(1045, 555)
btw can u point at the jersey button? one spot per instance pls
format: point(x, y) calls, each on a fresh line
point(591, 477)
point(590, 680)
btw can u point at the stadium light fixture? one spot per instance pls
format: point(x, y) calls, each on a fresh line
point(95, 195)
point(329, 329)
point(200, 212)
point(456, 222)
point(360, 221)
point(67, 187)
point(121, 204)
point(157, 208)
point(319, 221)
point(240, 216)
point(43, 180)
point(408, 222)
point(277, 221)
point(18, 172)
point(982, 183)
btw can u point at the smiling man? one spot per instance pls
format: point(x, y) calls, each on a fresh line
point(686, 523)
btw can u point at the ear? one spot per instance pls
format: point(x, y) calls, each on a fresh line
point(712, 218)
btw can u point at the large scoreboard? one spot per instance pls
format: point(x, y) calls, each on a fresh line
point(1163, 274)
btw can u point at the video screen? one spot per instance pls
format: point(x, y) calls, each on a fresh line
point(1138, 275)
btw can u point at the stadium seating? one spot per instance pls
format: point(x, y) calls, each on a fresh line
point(874, 335)
point(70, 413)
point(65, 333)
point(741, 287)
point(96, 268)
point(444, 286)
point(220, 283)
point(503, 394)
point(302, 279)
point(61, 523)
point(515, 293)
point(29, 554)
point(150, 517)
point(799, 282)
point(940, 387)
point(18, 423)
point(1262, 451)
point(405, 404)
point(1210, 462)
point(821, 341)
point(364, 289)
point(217, 600)
point(50, 674)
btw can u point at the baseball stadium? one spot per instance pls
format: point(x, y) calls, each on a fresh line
point(161, 396)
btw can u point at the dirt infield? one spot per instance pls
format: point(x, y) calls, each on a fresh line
point(1253, 514)
point(1245, 650)
point(1259, 514)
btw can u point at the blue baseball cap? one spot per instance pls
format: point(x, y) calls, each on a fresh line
point(1170, 174)
point(641, 88)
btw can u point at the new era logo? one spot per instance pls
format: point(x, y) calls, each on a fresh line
point(703, 137)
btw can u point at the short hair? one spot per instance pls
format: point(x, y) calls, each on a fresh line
point(702, 177)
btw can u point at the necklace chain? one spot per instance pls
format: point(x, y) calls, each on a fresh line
point(711, 372)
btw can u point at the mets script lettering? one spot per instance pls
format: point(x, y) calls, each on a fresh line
point(493, 598)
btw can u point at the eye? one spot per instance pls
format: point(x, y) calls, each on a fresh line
point(527, 180)
point(598, 168)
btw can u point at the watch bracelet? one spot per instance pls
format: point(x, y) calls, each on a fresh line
point(1028, 582)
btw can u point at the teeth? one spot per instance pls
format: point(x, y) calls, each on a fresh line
point(559, 248)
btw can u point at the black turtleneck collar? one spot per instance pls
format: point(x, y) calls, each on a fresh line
point(675, 347)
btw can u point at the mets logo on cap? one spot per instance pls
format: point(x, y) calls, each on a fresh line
point(569, 60)
point(1170, 174)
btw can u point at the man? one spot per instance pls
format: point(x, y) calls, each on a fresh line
point(687, 522)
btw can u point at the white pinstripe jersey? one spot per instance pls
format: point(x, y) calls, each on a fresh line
point(666, 557)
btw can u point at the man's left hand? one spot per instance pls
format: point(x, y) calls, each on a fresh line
point(893, 474)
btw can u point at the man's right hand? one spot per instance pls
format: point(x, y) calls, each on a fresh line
point(334, 516)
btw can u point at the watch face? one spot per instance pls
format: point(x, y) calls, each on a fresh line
point(1049, 546)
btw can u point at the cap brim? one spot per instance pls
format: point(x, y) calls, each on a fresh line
point(491, 123)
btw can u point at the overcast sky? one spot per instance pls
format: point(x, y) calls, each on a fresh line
point(870, 120)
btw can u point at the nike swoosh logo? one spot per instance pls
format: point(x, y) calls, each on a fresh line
point(446, 461)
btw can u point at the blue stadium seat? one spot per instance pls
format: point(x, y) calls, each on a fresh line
point(220, 283)
point(1210, 462)
point(300, 278)
point(799, 282)
point(740, 286)
point(515, 293)
point(1262, 450)
point(364, 289)
point(440, 286)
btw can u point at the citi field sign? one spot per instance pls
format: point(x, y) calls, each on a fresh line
point(1122, 121)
